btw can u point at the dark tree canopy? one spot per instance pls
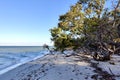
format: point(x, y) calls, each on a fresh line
point(88, 23)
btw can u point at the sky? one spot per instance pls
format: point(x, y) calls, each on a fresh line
point(27, 22)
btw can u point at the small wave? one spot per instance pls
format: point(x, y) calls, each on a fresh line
point(15, 60)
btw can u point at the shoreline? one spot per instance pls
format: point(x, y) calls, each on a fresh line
point(50, 67)
point(62, 67)
point(7, 69)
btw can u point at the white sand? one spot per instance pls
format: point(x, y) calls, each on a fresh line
point(112, 66)
point(59, 67)
point(52, 67)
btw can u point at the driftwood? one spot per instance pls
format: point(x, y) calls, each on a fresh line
point(103, 53)
point(117, 50)
point(102, 56)
point(116, 47)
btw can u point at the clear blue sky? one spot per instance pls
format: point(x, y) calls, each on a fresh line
point(27, 22)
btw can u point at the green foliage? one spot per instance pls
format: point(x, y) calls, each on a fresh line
point(63, 41)
point(85, 22)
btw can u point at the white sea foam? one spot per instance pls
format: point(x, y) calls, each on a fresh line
point(11, 60)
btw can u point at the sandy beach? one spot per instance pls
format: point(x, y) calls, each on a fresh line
point(63, 67)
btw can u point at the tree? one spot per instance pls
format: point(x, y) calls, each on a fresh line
point(88, 24)
point(47, 47)
point(78, 22)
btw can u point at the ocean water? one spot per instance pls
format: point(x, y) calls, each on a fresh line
point(13, 56)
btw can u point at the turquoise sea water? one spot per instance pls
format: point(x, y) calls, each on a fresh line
point(13, 56)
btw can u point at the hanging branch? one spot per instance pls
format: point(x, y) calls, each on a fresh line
point(115, 12)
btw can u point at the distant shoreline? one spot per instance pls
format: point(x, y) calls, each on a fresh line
point(20, 46)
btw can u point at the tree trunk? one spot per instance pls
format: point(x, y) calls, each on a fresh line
point(118, 30)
